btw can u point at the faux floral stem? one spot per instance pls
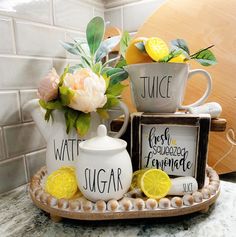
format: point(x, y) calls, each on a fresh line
point(192, 56)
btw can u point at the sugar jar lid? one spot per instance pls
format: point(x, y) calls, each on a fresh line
point(102, 142)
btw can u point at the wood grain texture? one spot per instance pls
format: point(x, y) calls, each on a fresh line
point(41, 199)
point(202, 23)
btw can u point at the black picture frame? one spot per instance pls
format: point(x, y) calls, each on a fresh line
point(202, 122)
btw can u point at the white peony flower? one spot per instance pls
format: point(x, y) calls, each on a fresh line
point(89, 90)
point(48, 86)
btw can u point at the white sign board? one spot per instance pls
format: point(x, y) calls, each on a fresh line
point(172, 148)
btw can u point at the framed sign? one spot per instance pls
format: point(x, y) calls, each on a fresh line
point(175, 143)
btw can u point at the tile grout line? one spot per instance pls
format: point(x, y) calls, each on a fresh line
point(93, 11)
point(23, 56)
point(13, 35)
point(52, 12)
point(7, 160)
point(19, 106)
point(3, 145)
point(26, 168)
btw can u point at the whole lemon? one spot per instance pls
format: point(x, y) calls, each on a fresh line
point(133, 55)
point(62, 183)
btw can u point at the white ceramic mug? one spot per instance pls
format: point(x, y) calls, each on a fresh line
point(160, 87)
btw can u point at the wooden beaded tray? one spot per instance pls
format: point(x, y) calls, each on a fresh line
point(126, 208)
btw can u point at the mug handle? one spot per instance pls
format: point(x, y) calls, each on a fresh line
point(206, 93)
point(113, 114)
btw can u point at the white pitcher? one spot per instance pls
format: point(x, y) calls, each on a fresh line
point(63, 148)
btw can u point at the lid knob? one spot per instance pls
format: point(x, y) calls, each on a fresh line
point(101, 130)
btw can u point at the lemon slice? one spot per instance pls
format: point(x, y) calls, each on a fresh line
point(133, 55)
point(155, 183)
point(62, 183)
point(179, 59)
point(156, 48)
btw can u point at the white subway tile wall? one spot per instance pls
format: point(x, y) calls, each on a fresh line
point(25, 96)
point(12, 174)
point(29, 47)
point(6, 42)
point(72, 14)
point(35, 161)
point(9, 107)
point(129, 15)
point(39, 40)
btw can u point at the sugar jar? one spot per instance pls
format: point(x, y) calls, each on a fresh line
point(104, 169)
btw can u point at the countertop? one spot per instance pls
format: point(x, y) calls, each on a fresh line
point(19, 217)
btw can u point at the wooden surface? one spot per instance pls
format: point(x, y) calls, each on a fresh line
point(202, 23)
point(57, 214)
point(40, 198)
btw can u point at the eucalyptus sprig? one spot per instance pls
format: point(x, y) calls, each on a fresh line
point(204, 56)
point(92, 50)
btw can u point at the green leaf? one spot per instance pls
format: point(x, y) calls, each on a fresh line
point(66, 95)
point(205, 58)
point(94, 33)
point(66, 70)
point(51, 105)
point(141, 47)
point(121, 63)
point(118, 77)
point(83, 123)
point(115, 89)
point(103, 113)
point(112, 71)
point(70, 117)
point(54, 105)
point(106, 47)
point(107, 80)
point(97, 68)
point(124, 42)
point(180, 44)
point(48, 114)
point(174, 53)
point(112, 101)
point(75, 68)
point(70, 47)
point(43, 104)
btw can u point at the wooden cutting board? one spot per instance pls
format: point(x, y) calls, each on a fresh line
point(202, 23)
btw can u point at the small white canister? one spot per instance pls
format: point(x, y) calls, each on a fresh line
point(104, 169)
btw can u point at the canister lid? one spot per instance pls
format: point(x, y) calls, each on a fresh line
point(102, 142)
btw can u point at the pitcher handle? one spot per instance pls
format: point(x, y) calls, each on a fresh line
point(207, 92)
point(126, 120)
